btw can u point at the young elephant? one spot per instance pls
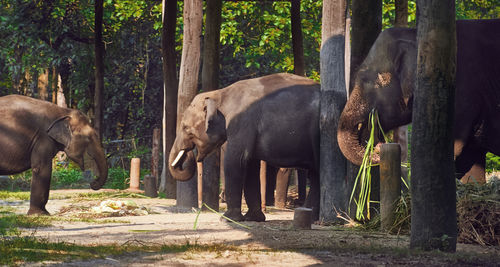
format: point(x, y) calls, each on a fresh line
point(273, 118)
point(32, 132)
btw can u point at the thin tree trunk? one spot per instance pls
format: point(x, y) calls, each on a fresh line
point(188, 85)
point(401, 133)
point(401, 9)
point(433, 212)
point(210, 81)
point(169, 16)
point(297, 40)
point(99, 69)
point(333, 182)
point(43, 85)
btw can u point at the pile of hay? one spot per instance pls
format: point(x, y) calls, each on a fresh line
point(478, 213)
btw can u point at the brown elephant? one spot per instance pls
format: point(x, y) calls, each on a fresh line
point(386, 82)
point(32, 131)
point(272, 118)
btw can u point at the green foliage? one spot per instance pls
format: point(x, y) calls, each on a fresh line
point(389, 14)
point(65, 178)
point(492, 163)
point(116, 178)
point(477, 9)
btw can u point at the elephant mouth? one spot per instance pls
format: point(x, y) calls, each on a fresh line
point(182, 158)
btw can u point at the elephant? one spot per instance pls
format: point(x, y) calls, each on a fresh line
point(272, 118)
point(32, 131)
point(385, 81)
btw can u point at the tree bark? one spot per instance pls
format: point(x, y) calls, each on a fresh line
point(366, 25)
point(297, 40)
point(333, 183)
point(210, 81)
point(43, 84)
point(169, 16)
point(188, 85)
point(99, 68)
point(433, 213)
point(401, 10)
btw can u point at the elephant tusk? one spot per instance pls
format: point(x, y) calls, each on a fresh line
point(179, 156)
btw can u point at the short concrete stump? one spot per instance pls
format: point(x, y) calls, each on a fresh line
point(302, 218)
point(150, 186)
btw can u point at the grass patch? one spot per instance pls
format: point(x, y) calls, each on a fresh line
point(7, 195)
point(19, 250)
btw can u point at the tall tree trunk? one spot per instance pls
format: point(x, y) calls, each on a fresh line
point(210, 81)
point(297, 40)
point(334, 191)
point(99, 69)
point(169, 17)
point(366, 25)
point(433, 212)
point(188, 85)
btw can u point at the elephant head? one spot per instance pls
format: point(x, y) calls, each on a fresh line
point(74, 133)
point(384, 82)
point(202, 127)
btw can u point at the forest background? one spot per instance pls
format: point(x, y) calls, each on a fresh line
point(47, 45)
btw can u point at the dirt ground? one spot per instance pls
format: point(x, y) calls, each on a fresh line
point(271, 243)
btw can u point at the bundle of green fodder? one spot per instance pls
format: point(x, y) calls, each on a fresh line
point(478, 213)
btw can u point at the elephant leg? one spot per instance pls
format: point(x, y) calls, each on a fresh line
point(313, 198)
point(282, 180)
point(40, 185)
point(234, 177)
point(471, 162)
point(271, 173)
point(252, 193)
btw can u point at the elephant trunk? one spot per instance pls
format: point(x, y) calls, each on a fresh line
point(181, 163)
point(96, 152)
point(351, 121)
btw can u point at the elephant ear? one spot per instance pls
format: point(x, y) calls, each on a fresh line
point(405, 65)
point(60, 131)
point(215, 122)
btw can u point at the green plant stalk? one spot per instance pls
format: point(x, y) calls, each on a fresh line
point(218, 213)
point(364, 173)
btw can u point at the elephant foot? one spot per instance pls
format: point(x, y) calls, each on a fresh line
point(255, 215)
point(234, 215)
point(37, 211)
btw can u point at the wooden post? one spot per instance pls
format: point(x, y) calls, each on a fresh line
point(263, 166)
point(390, 183)
point(155, 157)
point(282, 179)
point(135, 173)
point(199, 166)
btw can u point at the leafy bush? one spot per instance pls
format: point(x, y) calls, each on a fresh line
point(116, 178)
point(492, 163)
point(65, 178)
